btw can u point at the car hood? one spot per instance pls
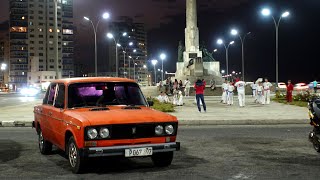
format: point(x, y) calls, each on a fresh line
point(119, 116)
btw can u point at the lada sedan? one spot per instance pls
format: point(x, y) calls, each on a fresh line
point(96, 117)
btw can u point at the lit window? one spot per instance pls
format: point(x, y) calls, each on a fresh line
point(58, 30)
point(50, 42)
point(40, 29)
point(22, 17)
point(50, 30)
point(67, 31)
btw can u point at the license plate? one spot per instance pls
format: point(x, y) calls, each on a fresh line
point(138, 152)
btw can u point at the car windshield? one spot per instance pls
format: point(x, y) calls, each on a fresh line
point(104, 94)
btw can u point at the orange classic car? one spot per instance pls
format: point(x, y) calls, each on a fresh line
point(95, 117)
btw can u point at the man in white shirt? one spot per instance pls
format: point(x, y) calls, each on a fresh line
point(241, 92)
point(230, 94)
point(254, 91)
point(260, 96)
point(187, 84)
point(224, 88)
point(266, 91)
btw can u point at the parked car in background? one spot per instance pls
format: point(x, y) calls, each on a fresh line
point(98, 117)
point(282, 85)
point(311, 85)
point(301, 87)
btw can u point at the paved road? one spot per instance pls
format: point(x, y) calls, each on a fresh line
point(213, 152)
point(10, 100)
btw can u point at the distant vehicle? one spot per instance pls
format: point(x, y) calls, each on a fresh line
point(311, 85)
point(282, 85)
point(29, 91)
point(301, 87)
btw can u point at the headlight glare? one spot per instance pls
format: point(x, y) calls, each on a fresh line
point(169, 129)
point(104, 132)
point(92, 133)
point(158, 130)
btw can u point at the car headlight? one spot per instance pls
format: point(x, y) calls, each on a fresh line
point(92, 133)
point(169, 129)
point(104, 132)
point(158, 130)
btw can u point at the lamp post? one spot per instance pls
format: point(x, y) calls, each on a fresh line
point(154, 62)
point(134, 71)
point(130, 61)
point(162, 57)
point(95, 28)
point(124, 51)
point(234, 32)
point(145, 71)
point(116, 43)
point(267, 12)
point(220, 41)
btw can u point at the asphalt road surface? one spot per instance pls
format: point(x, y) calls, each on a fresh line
point(214, 152)
point(8, 100)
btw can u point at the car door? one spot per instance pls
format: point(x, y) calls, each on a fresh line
point(46, 112)
point(58, 122)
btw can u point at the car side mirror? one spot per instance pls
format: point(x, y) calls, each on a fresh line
point(150, 103)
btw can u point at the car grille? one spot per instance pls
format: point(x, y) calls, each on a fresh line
point(130, 131)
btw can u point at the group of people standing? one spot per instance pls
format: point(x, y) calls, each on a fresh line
point(260, 92)
point(170, 86)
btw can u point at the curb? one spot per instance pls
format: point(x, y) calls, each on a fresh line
point(15, 123)
point(192, 122)
point(243, 122)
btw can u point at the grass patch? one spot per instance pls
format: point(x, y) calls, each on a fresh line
point(164, 107)
point(295, 103)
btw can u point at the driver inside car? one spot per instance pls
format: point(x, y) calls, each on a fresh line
point(108, 97)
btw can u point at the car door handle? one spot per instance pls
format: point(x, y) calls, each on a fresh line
point(50, 113)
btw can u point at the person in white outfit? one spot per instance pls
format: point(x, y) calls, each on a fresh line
point(224, 88)
point(180, 98)
point(175, 97)
point(260, 95)
point(241, 92)
point(230, 94)
point(266, 91)
point(187, 84)
point(254, 91)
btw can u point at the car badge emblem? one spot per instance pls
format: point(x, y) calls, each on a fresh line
point(134, 130)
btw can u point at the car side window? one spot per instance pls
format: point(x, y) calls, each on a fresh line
point(51, 93)
point(60, 96)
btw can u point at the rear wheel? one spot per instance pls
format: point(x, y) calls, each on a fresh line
point(45, 146)
point(162, 159)
point(77, 163)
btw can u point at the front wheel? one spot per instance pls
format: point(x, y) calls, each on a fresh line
point(162, 159)
point(316, 147)
point(77, 163)
point(45, 146)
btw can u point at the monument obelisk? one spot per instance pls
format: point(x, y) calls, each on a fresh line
point(193, 66)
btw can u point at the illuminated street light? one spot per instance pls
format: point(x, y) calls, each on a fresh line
point(154, 62)
point(95, 29)
point(267, 12)
point(223, 71)
point(220, 42)
point(234, 32)
point(162, 57)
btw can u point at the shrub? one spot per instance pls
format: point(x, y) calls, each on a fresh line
point(164, 107)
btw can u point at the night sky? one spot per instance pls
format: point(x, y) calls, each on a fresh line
point(165, 20)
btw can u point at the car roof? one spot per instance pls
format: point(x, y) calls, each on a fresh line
point(92, 79)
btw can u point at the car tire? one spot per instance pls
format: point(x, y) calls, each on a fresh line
point(76, 162)
point(45, 146)
point(162, 159)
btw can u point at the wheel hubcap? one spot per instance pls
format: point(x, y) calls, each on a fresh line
point(73, 154)
point(41, 141)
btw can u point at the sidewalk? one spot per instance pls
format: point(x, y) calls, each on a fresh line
point(217, 113)
point(253, 114)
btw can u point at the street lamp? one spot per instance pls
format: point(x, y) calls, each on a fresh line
point(220, 42)
point(134, 51)
point(116, 42)
point(234, 32)
point(223, 71)
point(162, 57)
point(124, 51)
point(267, 12)
point(154, 62)
point(95, 28)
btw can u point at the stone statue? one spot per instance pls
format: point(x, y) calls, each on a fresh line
point(206, 55)
point(180, 51)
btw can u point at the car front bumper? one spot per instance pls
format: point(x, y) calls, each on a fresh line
point(120, 150)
